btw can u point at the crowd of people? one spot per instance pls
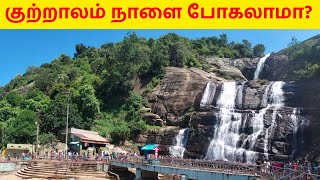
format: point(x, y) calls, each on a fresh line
point(87, 155)
point(265, 167)
point(290, 167)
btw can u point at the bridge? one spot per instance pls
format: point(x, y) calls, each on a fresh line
point(149, 169)
point(188, 169)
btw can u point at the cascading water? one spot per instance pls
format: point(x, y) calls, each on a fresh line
point(246, 135)
point(225, 143)
point(260, 66)
point(239, 95)
point(298, 122)
point(180, 143)
point(295, 131)
point(276, 102)
point(226, 133)
point(208, 95)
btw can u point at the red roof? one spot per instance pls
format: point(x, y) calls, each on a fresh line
point(89, 136)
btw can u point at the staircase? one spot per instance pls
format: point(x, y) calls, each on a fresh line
point(61, 171)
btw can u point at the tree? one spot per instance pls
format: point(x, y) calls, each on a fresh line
point(258, 50)
point(55, 116)
point(159, 59)
point(14, 98)
point(244, 49)
point(7, 111)
point(294, 41)
point(65, 59)
point(177, 55)
point(310, 71)
point(247, 48)
point(80, 49)
point(47, 138)
point(120, 133)
point(223, 41)
point(22, 129)
point(102, 81)
point(88, 104)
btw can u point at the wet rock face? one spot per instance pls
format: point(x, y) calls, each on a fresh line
point(275, 67)
point(281, 66)
point(278, 67)
point(279, 134)
point(163, 137)
point(280, 141)
point(178, 93)
point(247, 66)
point(239, 69)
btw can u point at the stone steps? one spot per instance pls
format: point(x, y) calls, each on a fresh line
point(61, 167)
point(60, 171)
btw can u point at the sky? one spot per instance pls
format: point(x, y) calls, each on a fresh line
point(23, 48)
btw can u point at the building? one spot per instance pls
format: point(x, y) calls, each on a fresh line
point(16, 150)
point(80, 140)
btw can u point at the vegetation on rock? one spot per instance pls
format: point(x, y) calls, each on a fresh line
point(97, 85)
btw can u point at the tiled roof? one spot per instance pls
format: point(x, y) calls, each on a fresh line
point(89, 136)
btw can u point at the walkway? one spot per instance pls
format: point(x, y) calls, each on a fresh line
point(194, 169)
point(191, 169)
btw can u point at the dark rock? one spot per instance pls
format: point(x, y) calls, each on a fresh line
point(247, 66)
point(225, 67)
point(179, 95)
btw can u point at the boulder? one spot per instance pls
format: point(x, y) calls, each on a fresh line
point(178, 93)
point(224, 68)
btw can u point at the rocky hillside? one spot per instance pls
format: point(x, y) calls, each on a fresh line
point(232, 69)
point(105, 87)
point(268, 118)
point(147, 90)
point(284, 64)
point(177, 102)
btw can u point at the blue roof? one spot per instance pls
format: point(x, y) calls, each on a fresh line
point(149, 147)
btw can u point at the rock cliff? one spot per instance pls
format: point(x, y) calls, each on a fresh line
point(237, 69)
point(245, 119)
point(281, 66)
point(284, 132)
point(178, 93)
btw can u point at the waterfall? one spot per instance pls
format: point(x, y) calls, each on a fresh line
point(276, 102)
point(226, 133)
point(260, 66)
point(239, 96)
point(295, 130)
point(208, 95)
point(177, 150)
point(264, 100)
point(231, 140)
point(277, 95)
point(299, 123)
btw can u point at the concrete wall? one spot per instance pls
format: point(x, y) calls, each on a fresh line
point(188, 173)
point(103, 167)
point(11, 166)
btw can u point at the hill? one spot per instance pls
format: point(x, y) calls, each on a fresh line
point(99, 83)
point(300, 61)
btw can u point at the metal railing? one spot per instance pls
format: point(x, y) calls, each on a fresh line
point(260, 171)
point(263, 171)
point(217, 166)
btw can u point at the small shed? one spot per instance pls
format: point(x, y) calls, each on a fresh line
point(16, 150)
point(150, 147)
point(80, 140)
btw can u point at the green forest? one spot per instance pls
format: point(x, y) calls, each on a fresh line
point(97, 84)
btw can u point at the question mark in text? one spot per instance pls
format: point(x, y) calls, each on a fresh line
point(308, 10)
